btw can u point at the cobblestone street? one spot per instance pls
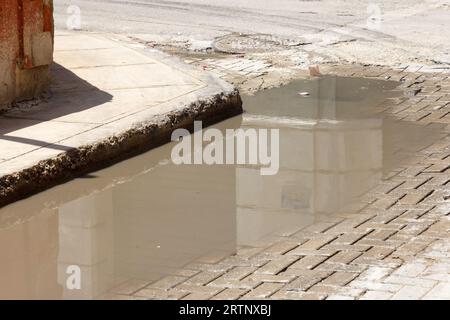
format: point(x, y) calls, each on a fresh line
point(396, 247)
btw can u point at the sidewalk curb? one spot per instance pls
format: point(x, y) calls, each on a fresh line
point(148, 135)
point(215, 102)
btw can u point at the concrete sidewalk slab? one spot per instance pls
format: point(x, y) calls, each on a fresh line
point(116, 56)
point(109, 100)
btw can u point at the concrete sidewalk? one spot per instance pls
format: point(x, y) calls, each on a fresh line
point(109, 100)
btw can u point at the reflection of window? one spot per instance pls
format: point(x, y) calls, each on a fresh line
point(323, 166)
point(295, 197)
point(331, 152)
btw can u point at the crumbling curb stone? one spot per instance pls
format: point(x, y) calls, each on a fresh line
point(141, 137)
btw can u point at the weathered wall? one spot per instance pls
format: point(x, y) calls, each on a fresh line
point(26, 48)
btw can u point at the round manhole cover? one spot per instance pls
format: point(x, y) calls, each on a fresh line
point(252, 43)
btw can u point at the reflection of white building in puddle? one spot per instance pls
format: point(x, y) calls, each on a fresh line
point(142, 230)
point(325, 164)
point(132, 223)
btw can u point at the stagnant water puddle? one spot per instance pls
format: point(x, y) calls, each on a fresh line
point(146, 218)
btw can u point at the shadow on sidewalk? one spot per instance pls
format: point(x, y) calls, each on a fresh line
point(69, 94)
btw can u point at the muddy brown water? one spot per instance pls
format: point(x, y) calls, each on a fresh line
point(146, 218)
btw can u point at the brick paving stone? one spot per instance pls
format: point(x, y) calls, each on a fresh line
point(340, 297)
point(386, 217)
point(417, 282)
point(350, 238)
point(403, 237)
point(410, 293)
point(410, 269)
point(435, 272)
point(322, 289)
point(415, 183)
point(340, 278)
point(279, 278)
point(438, 230)
point(348, 225)
point(410, 249)
point(264, 290)
point(438, 267)
point(351, 292)
point(388, 263)
point(281, 248)
point(203, 278)
point(344, 257)
point(413, 171)
point(416, 228)
point(158, 294)
point(257, 260)
point(328, 266)
point(207, 290)
point(387, 244)
point(230, 294)
point(374, 254)
point(293, 295)
point(327, 251)
point(440, 291)
point(276, 266)
point(385, 202)
point(239, 273)
point(354, 247)
point(442, 166)
point(308, 262)
point(197, 296)
point(219, 267)
point(414, 198)
point(376, 286)
point(239, 284)
point(380, 235)
point(316, 243)
point(376, 295)
point(383, 226)
point(375, 273)
point(307, 279)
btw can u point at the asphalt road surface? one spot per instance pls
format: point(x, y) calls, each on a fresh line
point(387, 32)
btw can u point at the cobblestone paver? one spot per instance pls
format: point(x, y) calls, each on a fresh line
point(396, 247)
